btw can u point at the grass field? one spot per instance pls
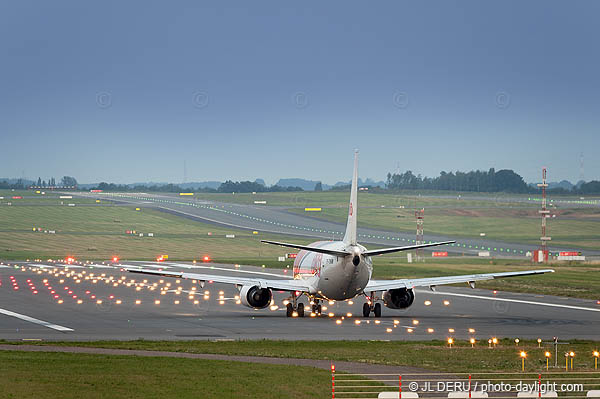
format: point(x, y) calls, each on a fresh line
point(99, 232)
point(67, 375)
point(454, 214)
point(432, 355)
point(578, 228)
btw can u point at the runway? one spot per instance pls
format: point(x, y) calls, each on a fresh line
point(50, 301)
point(278, 220)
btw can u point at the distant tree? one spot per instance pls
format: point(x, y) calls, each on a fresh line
point(43, 183)
point(319, 186)
point(39, 182)
point(68, 181)
point(591, 187)
point(490, 181)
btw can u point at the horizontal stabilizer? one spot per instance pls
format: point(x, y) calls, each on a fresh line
point(308, 248)
point(382, 251)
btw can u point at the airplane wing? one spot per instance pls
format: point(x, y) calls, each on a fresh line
point(384, 285)
point(308, 248)
point(275, 284)
point(382, 251)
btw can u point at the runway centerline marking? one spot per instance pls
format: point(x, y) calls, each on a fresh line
point(34, 320)
point(553, 305)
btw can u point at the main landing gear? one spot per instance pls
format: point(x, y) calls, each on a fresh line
point(294, 306)
point(370, 306)
point(316, 307)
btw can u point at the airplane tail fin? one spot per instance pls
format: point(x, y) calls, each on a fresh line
point(350, 236)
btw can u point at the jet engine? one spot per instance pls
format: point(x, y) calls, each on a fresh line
point(400, 298)
point(255, 297)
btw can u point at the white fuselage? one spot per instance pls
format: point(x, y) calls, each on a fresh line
point(333, 277)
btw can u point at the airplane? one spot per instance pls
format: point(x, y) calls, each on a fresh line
point(337, 271)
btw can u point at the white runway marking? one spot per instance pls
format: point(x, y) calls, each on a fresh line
point(160, 266)
point(553, 305)
point(36, 321)
point(97, 266)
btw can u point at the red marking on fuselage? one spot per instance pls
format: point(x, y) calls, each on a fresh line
point(351, 209)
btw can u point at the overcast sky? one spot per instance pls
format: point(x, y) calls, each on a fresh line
point(126, 91)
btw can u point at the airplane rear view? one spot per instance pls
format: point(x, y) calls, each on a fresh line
point(337, 270)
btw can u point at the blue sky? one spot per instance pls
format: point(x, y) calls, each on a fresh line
point(126, 91)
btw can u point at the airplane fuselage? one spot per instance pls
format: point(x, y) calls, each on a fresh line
point(333, 277)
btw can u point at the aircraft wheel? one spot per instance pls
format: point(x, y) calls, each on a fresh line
point(319, 311)
point(300, 310)
point(289, 309)
point(366, 309)
point(377, 310)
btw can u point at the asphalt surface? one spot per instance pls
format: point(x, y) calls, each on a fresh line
point(278, 220)
point(45, 307)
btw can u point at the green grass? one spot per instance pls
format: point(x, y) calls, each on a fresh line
point(98, 232)
point(432, 355)
point(579, 230)
point(69, 375)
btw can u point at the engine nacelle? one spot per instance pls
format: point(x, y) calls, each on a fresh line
point(400, 298)
point(255, 297)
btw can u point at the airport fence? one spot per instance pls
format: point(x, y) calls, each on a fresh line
point(481, 385)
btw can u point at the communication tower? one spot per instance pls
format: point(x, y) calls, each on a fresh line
point(542, 254)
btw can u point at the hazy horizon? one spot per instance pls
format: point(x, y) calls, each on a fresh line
point(126, 92)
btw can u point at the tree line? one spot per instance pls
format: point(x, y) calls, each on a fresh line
point(226, 187)
point(491, 181)
point(21, 184)
point(480, 181)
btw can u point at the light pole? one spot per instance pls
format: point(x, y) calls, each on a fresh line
point(596, 354)
point(523, 355)
point(547, 354)
point(572, 355)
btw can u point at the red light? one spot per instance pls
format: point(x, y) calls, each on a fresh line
point(160, 259)
point(115, 259)
point(206, 258)
point(70, 259)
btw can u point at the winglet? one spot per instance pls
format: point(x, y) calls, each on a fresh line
point(350, 236)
